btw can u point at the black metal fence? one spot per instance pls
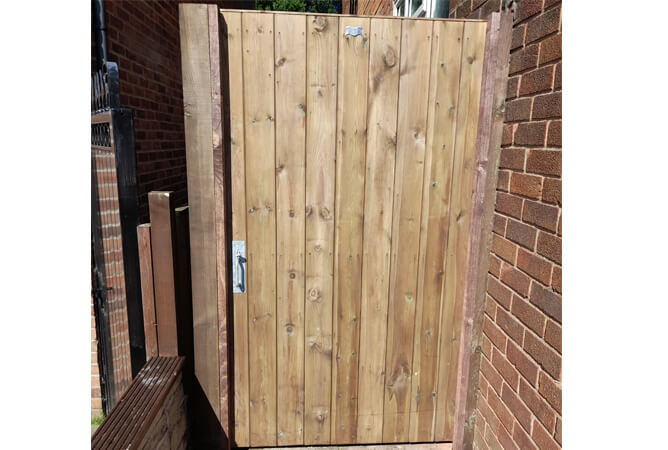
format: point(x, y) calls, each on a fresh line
point(114, 219)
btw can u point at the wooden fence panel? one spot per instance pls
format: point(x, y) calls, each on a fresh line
point(460, 210)
point(259, 116)
point(321, 79)
point(290, 74)
point(411, 135)
point(383, 88)
point(353, 74)
point(444, 88)
point(352, 144)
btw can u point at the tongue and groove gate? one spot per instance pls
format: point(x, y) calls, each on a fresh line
point(347, 146)
point(352, 179)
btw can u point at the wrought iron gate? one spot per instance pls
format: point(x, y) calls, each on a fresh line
point(114, 219)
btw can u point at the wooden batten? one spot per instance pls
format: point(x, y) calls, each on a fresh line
point(200, 30)
point(147, 290)
point(161, 211)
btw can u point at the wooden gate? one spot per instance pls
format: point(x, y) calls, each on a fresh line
point(347, 146)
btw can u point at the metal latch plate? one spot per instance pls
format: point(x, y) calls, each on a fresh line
point(353, 31)
point(238, 267)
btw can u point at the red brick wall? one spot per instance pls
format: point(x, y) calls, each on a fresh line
point(143, 39)
point(519, 401)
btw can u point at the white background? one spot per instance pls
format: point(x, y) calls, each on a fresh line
point(615, 246)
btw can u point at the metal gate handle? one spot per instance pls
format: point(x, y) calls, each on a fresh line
point(241, 282)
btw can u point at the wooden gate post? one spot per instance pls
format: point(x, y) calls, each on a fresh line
point(490, 130)
point(200, 27)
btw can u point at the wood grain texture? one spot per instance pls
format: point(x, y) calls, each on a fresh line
point(290, 62)
point(490, 130)
point(460, 213)
point(435, 446)
point(196, 71)
point(383, 86)
point(161, 211)
point(353, 73)
point(321, 79)
point(258, 65)
point(235, 115)
point(351, 182)
point(411, 135)
point(147, 295)
point(221, 218)
point(443, 92)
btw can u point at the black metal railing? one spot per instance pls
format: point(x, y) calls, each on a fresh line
point(114, 202)
point(105, 88)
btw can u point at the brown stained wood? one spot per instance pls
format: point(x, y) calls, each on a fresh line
point(147, 295)
point(411, 135)
point(353, 73)
point(161, 211)
point(196, 70)
point(383, 86)
point(321, 79)
point(290, 74)
point(258, 65)
point(444, 88)
point(435, 446)
point(235, 114)
point(490, 130)
point(129, 420)
point(221, 218)
point(460, 213)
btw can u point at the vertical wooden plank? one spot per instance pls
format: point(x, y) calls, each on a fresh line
point(147, 297)
point(411, 134)
point(258, 66)
point(221, 217)
point(460, 210)
point(290, 62)
point(320, 184)
point(197, 103)
point(161, 211)
point(349, 221)
point(445, 68)
point(490, 130)
point(383, 86)
point(235, 114)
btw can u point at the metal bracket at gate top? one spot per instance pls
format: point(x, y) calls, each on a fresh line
point(353, 31)
point(238, 267)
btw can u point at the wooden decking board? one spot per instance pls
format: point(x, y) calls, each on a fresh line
point(128, 420)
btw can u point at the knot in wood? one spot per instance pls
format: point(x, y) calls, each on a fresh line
point(324, 213)
point(389, 57)
point(292, 275)
point(314, 294)
point(319, 24)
